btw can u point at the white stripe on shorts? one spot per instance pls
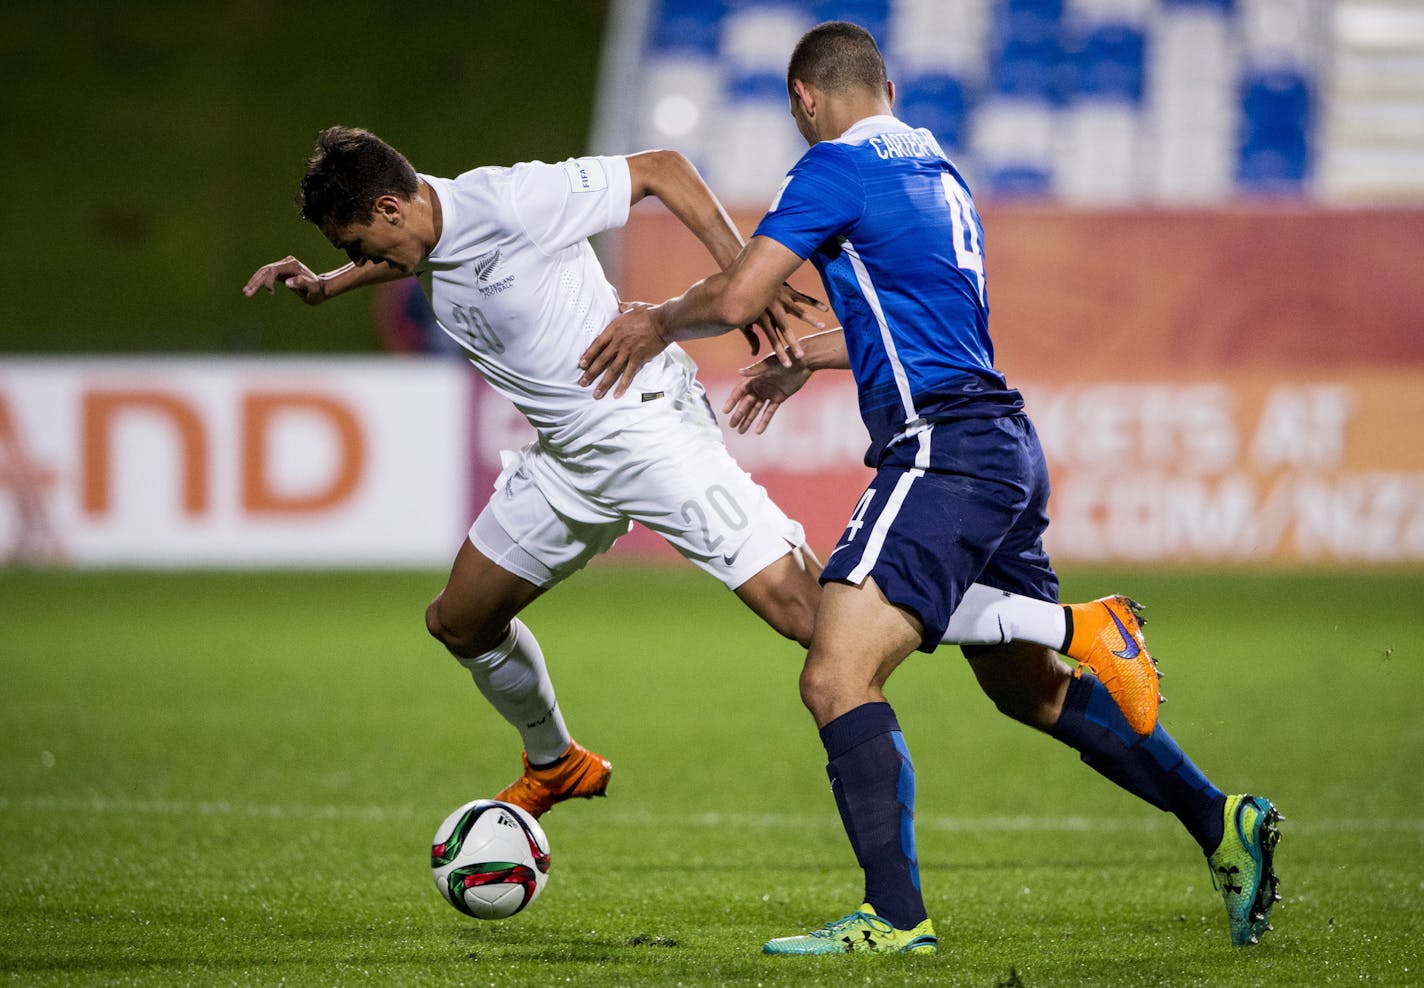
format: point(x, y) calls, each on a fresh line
point(887, 518)
point(876, 542)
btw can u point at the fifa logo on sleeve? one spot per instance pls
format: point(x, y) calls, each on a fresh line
point(585, 175)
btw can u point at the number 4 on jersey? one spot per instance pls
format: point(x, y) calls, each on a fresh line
point(968, 240)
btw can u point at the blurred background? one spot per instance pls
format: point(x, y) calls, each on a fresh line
point(1205, 226)
point(1205, 257)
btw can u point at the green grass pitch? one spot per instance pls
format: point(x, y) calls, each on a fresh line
point(234, 779)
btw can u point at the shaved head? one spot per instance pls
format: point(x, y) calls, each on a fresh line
point(837, 57)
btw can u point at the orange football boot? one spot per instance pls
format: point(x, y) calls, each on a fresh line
point(578, 773)
point(1107, 639)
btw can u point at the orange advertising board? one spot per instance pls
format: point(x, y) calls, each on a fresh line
point(1235, 468)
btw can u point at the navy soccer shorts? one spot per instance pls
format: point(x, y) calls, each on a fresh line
point(975, 513)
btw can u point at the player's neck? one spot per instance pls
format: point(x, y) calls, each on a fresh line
point(429, 217)
point(842, 116)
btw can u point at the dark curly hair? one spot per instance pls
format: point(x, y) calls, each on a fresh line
point(347, 171)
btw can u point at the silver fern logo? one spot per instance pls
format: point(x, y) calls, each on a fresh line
point(485, 264)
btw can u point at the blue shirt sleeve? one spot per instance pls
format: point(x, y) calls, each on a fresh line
point(821, 198)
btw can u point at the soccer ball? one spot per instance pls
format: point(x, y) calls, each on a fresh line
point(490, 859)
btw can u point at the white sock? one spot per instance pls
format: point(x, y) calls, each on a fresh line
point(513, 678)
point(991, 617)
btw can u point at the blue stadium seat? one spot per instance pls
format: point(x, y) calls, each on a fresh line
point(938, 101)
point(1029, 20)
point(749, 86)
point(1026, 49)
point(687, 25)
point(1275, 100)
point(1275, 132)
point(1027, 69)
point(1011, 181)
point(873, 15)
point(1273, 168)
point(1109, 63)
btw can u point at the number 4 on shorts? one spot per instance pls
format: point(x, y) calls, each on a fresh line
point(857, 517)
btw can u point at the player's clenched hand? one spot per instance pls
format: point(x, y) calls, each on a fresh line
point(289, 272)
point(621, 350)
point(764, 386)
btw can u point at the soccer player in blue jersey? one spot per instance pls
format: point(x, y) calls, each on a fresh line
point(959, 495)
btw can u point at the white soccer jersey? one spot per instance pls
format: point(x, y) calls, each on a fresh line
point(515, 282)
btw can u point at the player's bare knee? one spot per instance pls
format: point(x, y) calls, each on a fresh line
point(819, 691)
point(460, 641)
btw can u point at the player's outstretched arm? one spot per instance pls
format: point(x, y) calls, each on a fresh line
point(675, 181)
point(715, 305)
point(312, 288)
point(766, 384)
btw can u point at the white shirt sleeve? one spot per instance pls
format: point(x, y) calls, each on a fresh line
point(560, 204)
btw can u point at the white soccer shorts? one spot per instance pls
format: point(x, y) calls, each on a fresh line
point(670, 471)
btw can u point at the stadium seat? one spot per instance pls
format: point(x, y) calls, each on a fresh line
point(939, 102)
point(1012, 141)
point(1026, 49)
point(1098, 160)
point(873, 15)
point(1273, 151)
point(931, 36)
point(687, 26)
point(1017, 181)
point(1108, 63)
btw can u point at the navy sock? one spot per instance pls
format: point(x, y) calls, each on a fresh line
point(1152, 768)
point(873, 781)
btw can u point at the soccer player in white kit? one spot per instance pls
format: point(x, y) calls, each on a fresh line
point(515, 282)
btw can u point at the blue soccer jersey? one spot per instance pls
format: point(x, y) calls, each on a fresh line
point(889, 223)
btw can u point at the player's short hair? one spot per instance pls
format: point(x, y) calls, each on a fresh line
point(347, 171)
point(837, 56)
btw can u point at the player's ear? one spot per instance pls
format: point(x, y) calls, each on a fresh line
point(801, 95)
point(389, 208)
point(890, 92)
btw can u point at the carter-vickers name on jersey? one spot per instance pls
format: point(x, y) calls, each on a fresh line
point(910, 144)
